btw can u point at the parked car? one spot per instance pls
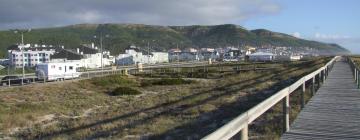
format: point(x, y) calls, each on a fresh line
point(13, 80)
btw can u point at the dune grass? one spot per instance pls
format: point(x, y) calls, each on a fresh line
point(170, 109)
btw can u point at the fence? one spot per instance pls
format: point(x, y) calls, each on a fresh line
point(355, 69)
point(239, 126)
point(19, 80)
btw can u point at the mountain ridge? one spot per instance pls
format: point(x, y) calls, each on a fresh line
point(162, 38)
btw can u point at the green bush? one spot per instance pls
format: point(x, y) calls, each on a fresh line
point(124, 91)
point(166, 81)
point(113, 80)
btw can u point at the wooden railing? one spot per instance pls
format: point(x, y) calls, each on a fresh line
point(355, 69)
point(239, 126)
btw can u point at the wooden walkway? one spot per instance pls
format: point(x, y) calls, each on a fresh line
point(333, 113)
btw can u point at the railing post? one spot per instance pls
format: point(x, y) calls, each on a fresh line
point(313, 86)
point(319, 79)
point(286, 111)
point(245, 133)
point(355, 74)
point(327, 71)
point(302, 96)
point(324, 76)
point(358, 81)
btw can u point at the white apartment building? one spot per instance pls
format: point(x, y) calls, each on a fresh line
point(28, 55)
point(261, 56)
point(134, 55)
point(85, 56)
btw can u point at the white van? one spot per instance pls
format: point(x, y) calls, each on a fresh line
point(57, 71)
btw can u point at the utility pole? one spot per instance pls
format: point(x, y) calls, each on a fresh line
point(102, 55)
point(101, 50)
point(177, 49)
point(23, 56)
point(148, 52)
point(22, 52)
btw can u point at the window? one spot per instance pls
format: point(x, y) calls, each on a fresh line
point(60, 68)
point(53, 66)
point(32, 55)
point(13, 55)
point(36, 59)
point(70, 67)
point(47, 54)
point(35, 54)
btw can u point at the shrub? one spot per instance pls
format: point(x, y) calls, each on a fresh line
point(112, 80)
point(124, 91)
point(166, 81)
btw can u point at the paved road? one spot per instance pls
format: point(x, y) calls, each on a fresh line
point(333, 113)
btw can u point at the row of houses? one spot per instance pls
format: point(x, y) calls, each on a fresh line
point(90, 56)
point(134, 55)
point(191, 54)
point(87, 56)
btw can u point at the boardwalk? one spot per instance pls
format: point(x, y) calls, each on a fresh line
point(333, 113)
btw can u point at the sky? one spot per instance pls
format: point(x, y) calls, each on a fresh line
point(331, 21)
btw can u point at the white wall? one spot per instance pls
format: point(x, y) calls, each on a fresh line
point(133, 57)
point(261, 57)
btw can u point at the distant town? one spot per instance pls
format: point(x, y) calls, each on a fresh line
point(90, 56)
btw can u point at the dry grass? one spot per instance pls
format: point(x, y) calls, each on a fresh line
point(83, 109)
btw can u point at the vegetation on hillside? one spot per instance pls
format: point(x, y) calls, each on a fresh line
point(160, 38)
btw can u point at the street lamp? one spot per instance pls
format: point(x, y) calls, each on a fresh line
point(22, 51)
point(101, 48)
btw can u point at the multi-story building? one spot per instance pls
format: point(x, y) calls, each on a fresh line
point(134, 55)
point(85, 56)
point(28, 55)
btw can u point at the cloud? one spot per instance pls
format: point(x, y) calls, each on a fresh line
point(38, 13)
point(297, 35)
point(349, 42)
point(331, 37)
point(336, 38)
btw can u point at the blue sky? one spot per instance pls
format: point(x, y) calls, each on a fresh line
point(332, 21)
point(323, 20)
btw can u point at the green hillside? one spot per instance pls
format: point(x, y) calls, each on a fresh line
point(161, 37)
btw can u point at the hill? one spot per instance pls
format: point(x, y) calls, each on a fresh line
point(160, 37)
